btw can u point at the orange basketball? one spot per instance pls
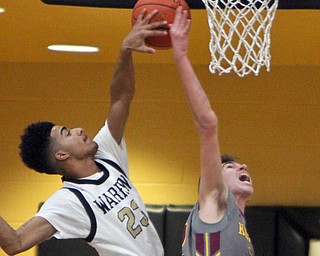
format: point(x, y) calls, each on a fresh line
point(166, 11)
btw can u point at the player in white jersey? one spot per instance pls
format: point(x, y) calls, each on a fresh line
point(216, 225)
point(98, 202)
point(105, 208)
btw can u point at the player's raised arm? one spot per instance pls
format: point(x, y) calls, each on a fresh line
point(123, 84)
point(212, 189)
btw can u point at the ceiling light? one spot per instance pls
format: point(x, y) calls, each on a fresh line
point(72, 48)
point(2, 10)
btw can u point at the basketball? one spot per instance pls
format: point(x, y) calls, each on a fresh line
point(166, 11)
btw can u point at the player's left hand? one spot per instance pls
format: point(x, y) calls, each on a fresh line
point(179, 32)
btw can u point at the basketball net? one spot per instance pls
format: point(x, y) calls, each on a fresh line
point(240, 35)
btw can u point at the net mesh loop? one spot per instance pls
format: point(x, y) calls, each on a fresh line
point(240, 35)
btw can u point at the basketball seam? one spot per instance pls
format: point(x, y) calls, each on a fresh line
point(163, 5)
point(141, 5)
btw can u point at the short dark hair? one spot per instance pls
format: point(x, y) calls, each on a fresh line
point(225, 158)
point(35, 147)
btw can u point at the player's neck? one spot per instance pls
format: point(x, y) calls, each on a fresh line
point(81, 169)
point(241, 203)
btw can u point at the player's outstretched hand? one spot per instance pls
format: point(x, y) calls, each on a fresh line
point(179, 30)
point(142, 29)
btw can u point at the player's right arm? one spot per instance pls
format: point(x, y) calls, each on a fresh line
point(122, 86)
point(212, 189)
point(33, 232)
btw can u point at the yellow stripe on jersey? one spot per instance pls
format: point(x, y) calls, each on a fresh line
point(185, 234)
point(207, 243)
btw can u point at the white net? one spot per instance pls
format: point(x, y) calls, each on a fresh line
point(240, 35)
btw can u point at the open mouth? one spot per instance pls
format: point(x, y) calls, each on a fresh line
point(244, 178)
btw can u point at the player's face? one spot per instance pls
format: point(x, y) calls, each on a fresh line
point(75, 142)
point(238, 179)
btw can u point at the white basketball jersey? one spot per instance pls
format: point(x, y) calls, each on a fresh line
point(105, 209)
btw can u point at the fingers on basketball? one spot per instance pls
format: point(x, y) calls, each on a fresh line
point(166, 11)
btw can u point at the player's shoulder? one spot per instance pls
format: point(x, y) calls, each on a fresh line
point(61, 198)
